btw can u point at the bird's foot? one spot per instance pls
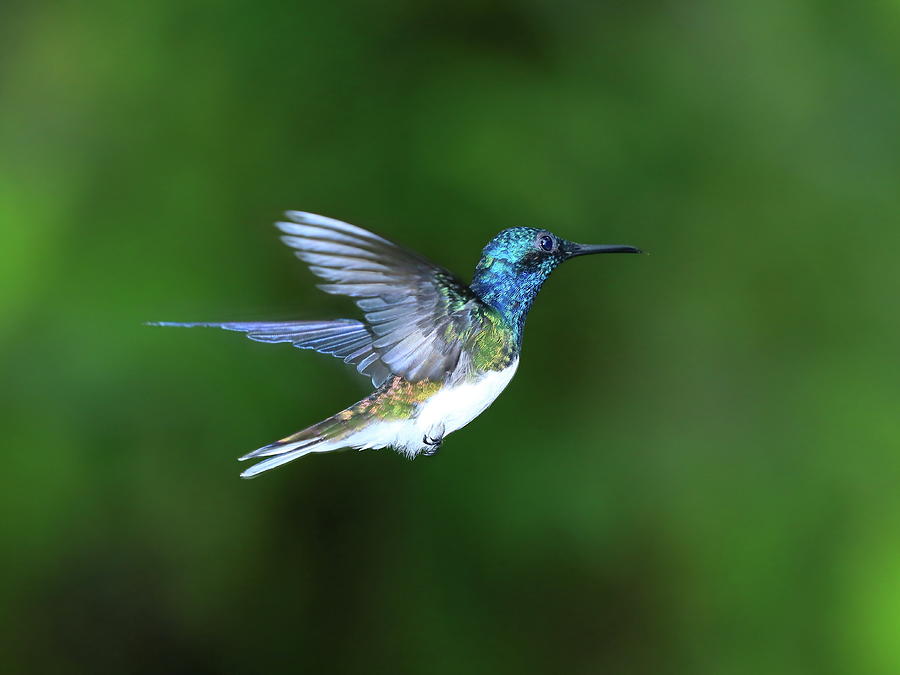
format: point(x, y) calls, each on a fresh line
point(434, 444)
point(433, 438)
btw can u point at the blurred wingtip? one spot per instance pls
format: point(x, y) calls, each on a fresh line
point(177, 324)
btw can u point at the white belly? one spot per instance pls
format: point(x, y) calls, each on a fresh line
point(450, 409)
point(455, 407)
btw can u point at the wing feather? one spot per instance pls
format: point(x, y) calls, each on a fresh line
point(344, 338)
point(407, 301)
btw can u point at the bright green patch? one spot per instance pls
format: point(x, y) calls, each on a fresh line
point(397, 399)
point(492, 347)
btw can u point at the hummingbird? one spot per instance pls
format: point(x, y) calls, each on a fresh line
point(438, 351)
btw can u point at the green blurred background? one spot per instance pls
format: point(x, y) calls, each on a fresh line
point(696, 469)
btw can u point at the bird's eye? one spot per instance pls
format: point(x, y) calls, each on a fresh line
point(546, 243)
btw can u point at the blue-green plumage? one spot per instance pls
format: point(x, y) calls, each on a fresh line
point(511, 272)
point(438, 351)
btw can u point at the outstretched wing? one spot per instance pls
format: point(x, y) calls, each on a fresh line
point(344, 338)
point(417, 312)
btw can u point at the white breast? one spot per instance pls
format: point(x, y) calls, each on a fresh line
point(454, 407)
point(450, 409)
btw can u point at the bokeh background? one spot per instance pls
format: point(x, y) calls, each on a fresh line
point(696, 469)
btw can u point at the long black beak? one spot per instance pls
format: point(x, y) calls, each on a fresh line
point(590, 249)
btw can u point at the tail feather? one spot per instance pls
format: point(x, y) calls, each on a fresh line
point(278, 448)
point(344, 338)
point(330, 434)
point(285, 457)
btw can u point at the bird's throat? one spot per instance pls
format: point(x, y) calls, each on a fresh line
point(508, 289)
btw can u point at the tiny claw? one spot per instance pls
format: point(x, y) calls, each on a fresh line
point(434, 443)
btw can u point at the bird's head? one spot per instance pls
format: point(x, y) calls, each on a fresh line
point(532, 250)
point(515, 264)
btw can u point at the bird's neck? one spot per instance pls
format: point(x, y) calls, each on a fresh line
point(509, 289)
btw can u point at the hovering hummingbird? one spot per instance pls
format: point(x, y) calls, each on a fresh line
point(438, 352)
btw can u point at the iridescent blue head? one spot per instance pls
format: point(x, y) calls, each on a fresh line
point(515, 264)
